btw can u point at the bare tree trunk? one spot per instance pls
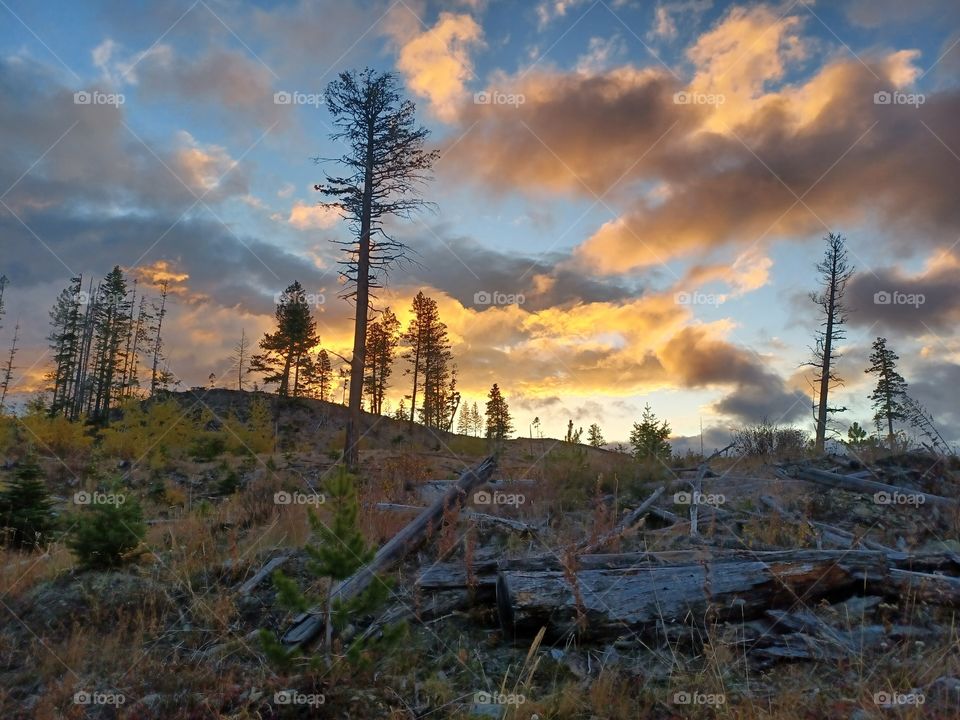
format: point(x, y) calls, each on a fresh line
point(351, 449)
point(825, 369)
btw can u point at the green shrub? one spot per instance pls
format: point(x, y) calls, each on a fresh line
point(209, 446)
point(107, 534)
point(26, 514)
point(229, 483)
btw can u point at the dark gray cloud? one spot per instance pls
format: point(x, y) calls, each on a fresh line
point(697, 360)
point(936, 385)
point(714, 438)
point(912, 304)
point(462, 267)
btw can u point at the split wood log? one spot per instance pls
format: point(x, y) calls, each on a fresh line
point(858, 485)
point(606, 603)
point(308, 625)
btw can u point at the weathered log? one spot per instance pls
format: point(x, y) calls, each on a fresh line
point(515, 525)
point(262, 574)
point(306, 626)
point(835, 535)
point(607, 603)
point(859, 485)
point(448, 576)
point(935, 589)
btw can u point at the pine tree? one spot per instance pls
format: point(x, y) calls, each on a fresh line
point(476, 420)
point(340, 552)
point(573, 436)
point(323, 375)
point(82, 384)
point(595, 436)
point(139, 336)
point(287, 350)
point(26, 509)
point(106, 535)
point(111, 322)
point(430, 358)
point(499, 424)
point(65, 339)
point(856, 435)
point(383, 336)
point(891, 391)
point(649, 437)
point(464, 421)
point(240, 357)
point(835, 271)
point(386, 161)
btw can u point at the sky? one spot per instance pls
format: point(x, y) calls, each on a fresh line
point(630, 199)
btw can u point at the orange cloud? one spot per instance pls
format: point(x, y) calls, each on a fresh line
point(309, 217)
point(436, 62)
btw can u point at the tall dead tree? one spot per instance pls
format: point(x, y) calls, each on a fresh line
point(160, 312)
point(385, 163)
point(835, 271)
point(3, 286)
point(7, 376)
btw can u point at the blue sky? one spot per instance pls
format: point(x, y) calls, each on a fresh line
point(594, 192)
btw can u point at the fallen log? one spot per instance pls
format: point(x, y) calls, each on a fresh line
point(262, 574)
point(859, 485)
point(482, 579)
point(835, 535)
point(515, 525)
point(308, 625)
point(606, 603)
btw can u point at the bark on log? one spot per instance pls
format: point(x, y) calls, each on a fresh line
point(308, 625)
point(608, 603)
